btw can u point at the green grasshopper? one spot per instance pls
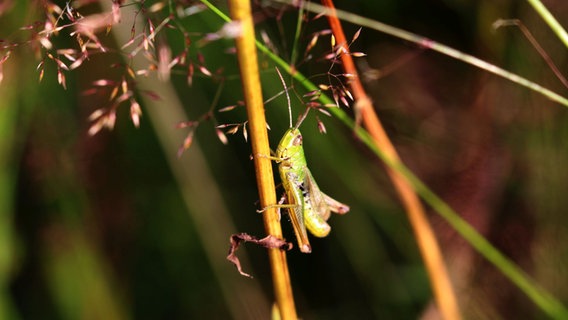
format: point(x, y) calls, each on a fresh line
point(308, 206)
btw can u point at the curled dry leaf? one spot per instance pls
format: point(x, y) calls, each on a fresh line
point(270, 242)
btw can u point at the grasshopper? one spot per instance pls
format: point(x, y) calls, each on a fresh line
point(309, 208)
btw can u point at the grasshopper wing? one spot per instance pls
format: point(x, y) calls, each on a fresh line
point(318, 207)
point(335, 205)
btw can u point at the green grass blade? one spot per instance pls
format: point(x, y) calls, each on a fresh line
point(550, 20)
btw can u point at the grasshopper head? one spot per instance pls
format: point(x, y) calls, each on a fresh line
point(290, 148)
point(291, 139)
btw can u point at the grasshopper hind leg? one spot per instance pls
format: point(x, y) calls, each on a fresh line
point(313, 218)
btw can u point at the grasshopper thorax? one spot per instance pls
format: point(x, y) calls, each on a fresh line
point(290, 148)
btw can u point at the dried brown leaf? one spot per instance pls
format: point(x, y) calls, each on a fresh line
point(269, 242)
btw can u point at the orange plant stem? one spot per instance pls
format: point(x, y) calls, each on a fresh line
point(427, 243)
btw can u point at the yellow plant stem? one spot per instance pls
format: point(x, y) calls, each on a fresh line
point(429, 248)
point(250, 79)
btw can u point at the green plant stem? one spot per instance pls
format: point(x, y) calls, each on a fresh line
point(550, 20)
point(250, 79)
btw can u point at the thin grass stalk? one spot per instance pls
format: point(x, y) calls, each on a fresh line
point(427, 243)
point(550, 20)
point(250, 79)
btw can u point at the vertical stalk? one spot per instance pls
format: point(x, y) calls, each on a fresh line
point(429, 249)
point(250, 79)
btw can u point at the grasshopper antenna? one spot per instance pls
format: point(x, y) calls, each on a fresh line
point(287, 95)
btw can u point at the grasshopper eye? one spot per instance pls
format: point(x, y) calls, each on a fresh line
point(297, 140)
